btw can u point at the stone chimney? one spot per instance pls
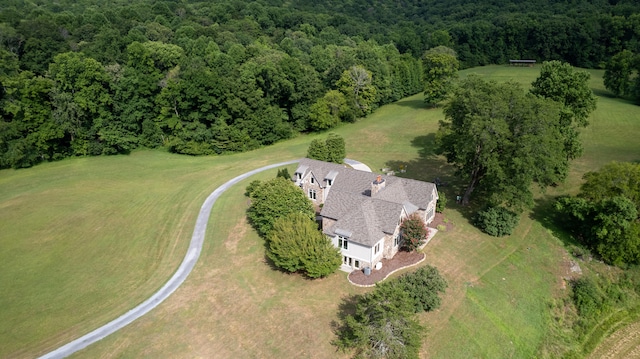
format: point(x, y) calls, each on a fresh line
point(377, 185)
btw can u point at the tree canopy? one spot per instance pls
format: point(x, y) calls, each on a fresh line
point(440, 66)
point(414, 232)
point(604, 215)
point(332, 149)
point(383, 324)
point(560, 82)
point(296, 244)
point(202, 78)
point(274, 199)
point(502, 140)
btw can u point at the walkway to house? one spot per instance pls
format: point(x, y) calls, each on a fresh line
point(189, 261)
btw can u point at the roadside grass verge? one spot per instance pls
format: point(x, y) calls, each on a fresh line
point(86, 239)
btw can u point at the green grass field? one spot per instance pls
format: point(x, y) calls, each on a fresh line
point(83, 240)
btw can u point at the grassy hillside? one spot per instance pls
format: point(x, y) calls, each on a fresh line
point(85, 239)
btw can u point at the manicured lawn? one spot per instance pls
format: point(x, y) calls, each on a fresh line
point(83, 240)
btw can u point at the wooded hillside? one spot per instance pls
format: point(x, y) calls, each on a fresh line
point(91, 78)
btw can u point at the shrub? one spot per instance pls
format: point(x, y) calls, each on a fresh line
point(330, 150)
point(414, 232)
point(497, 221)
point(588, 298)
point(442, 202)
point(284, 173)
point(248, 191)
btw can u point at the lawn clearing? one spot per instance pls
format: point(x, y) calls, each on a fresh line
point(86, 239)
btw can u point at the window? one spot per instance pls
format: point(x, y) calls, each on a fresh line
point(376, 249)
point(299, 175)
point(329, 182)
point(343, 243)
point(312, 180)
point(396, 240)
point(357, 264)
point(312, 194)
point(429, 214)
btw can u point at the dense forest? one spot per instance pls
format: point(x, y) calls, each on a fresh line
point(90, 77)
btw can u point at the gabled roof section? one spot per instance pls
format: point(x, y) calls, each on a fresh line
point(331, 175)
point(368, 218)
point(302, 169)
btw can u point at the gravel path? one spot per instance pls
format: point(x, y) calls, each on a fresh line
point(189, 261)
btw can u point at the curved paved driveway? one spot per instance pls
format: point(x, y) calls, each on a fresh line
point(357, 165)
point(189, 261)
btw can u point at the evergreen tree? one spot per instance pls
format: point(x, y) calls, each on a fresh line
point(335, 148)
point(276, 198)
point(318, 150)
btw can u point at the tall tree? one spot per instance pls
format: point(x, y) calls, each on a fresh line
point(81, 100)
point(335, 148)
point(276, 198)
point(317, 150)
point(617, 74)
point(355, 83)
point(383, 325)
point(501, 140)
point(560, 82)
point(440, 66)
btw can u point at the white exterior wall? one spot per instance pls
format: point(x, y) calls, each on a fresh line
point(363, 254)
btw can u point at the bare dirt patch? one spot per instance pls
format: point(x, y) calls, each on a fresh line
point(441, 220)
point(238, 232)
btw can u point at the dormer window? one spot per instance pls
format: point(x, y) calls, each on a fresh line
point(299, 175)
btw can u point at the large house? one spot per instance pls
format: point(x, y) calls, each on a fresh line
point(361, 211)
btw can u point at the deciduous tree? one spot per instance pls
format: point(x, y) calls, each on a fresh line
point(383, 325)
point(560, 82)
point(424, 286)
point(414, 232)
point(276, 198)
point(355, 84)
point(604, 216)
point(502, 140)
point(617, 74)
point(440, 66)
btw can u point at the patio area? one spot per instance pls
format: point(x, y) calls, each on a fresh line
point(400, 261)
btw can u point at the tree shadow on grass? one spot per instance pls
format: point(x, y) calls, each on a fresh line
point(431, 167)
point(346, 308)
point(544, 213)
point(414, 104)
